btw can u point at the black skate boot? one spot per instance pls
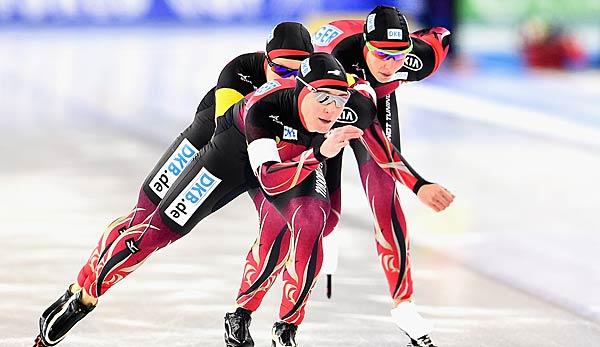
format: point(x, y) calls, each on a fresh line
point(237, 328)
point(64, 298)
point(284, 335)
point(60, 317)
point(423, 341)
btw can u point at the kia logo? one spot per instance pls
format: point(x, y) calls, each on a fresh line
point(348, 116)
point(412, 62)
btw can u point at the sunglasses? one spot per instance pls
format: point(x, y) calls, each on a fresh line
point(382, 54)
point(282, 71)
point(325, 98)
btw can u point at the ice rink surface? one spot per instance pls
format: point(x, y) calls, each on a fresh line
point(513, 262)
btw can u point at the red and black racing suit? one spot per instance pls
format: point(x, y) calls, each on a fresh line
point(268, 255)
point(344, 40)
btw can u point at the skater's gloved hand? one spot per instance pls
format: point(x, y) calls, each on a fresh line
point(338, 138)
point(435, 196)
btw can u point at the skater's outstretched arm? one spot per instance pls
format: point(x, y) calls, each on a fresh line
point(386, 155)
point(390, 159)
point(430, 47)
point(362, 103)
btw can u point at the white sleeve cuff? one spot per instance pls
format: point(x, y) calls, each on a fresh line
point(261, 151)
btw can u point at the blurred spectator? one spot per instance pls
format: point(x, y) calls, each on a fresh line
point(549, 46)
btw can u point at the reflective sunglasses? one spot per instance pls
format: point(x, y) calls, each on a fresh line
point(282, 71)
point(326, 98)
point(382, 54)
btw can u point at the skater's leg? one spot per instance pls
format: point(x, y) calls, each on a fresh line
point(204, 186)
point(155, 186)
point(391, 236)
point(390, 225)
point(264, 262)
point(267, 256)
point(307, 217)
point(126, 253)
point(142, 210)
point(306, 209)
point(393, 246)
